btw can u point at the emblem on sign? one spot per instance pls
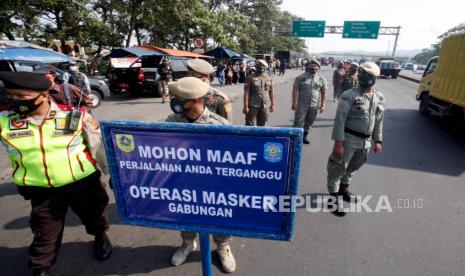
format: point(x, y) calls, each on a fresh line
point(273, 152)
point(125, 142)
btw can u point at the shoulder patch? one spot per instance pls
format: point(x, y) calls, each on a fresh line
point(92, 123)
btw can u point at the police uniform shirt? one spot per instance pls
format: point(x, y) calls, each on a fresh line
point(90, 131)
point(309, 89)
point(219, 103)
point(360, 112)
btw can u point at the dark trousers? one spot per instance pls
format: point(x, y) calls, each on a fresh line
point(86, 197)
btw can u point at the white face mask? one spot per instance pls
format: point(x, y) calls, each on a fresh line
point(73, 68)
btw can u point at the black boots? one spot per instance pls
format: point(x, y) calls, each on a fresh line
point(346, 195)
point(102, 247)
point(339, 212)
point(306, 141)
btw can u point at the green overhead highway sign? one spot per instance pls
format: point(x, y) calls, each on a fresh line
point(361, 29)
point(308, 28)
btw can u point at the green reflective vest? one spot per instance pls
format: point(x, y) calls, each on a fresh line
point(46, 155)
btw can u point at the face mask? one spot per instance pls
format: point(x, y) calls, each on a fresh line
point(259, 69)
point(311, 70)
point(73, 68)
point(179, 107)
point(24, 106)
point(366, 80)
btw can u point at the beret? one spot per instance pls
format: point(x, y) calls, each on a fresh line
point(371, 68)
point(314, 61)
point(25, 80)
point(261, 63)
point(188, 88)
point(200, 66)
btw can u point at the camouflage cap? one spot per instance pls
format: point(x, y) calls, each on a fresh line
point(314, 61)
point(188, 88)
point(370, 68)
point(261, 63)
point(200, 66)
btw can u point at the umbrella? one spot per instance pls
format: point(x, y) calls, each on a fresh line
point(24, 51)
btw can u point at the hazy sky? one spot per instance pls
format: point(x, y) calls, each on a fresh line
point(421, 21)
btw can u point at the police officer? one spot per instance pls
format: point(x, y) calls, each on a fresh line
point(358, 121)
point(258, 95)
point(165, 73)
point(338, 76)
point(308, 96)
point(77, 78)
point(350, 79)
point(55, 166)
point(215, 100)
point(188, 104)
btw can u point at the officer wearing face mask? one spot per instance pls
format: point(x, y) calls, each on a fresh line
point(308, 96)
point(358, 123)
point(77, 78)
point(57, 157)
point(189, 107)
point(350, 79)
point(258, 95)
point(215, 100)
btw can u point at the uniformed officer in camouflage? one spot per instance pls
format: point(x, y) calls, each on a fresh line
point(358, 121)
point(350, 79)
point(338, 76)
point(215, 100)
point(308, 96)
point(188, 104)
point(258, 95)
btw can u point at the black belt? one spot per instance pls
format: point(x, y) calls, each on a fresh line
point(356, 133)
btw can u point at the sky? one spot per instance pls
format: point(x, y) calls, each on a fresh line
point(421, 21)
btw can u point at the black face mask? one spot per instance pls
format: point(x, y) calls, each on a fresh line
point(311, 70)
point(24, 106)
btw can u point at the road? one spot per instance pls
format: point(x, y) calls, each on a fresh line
point(421, 163)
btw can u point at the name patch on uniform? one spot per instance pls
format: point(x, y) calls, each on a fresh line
point(63, 132)
point(16, 123)
point(19, 134)
point(61, 123)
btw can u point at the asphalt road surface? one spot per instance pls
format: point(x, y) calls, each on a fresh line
point(420, 173)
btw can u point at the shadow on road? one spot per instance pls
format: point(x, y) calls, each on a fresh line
point(76, 258)
point(414, 142)
point(71, 219)
point(8, 189)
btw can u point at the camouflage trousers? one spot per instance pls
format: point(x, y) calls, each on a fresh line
point(305, 116)
point(218, 239)
point(340, 170)
point(256, 115)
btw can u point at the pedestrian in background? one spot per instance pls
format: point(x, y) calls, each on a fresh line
point(235, 73)
point(220, 74)
point(241, 73)
point(166, 76)
point(188, 105)
point(229, 74)
point(308, 97)
point(338, 76)
point(282, 67)
point(258, 96)
point(77, 78)
point(350, 79)
point(358, 122)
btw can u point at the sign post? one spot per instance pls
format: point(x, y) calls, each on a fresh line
point(209, 179)
point(361, 29)
point(308, 28)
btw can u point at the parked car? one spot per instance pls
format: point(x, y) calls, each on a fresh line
point(98, 85)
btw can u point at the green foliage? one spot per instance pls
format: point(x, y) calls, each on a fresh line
point(241, 25)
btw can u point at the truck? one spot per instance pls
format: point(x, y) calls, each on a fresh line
point(389, 67)
point(441, 92)
point(292, 58)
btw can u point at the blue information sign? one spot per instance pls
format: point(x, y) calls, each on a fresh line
point(204, 178)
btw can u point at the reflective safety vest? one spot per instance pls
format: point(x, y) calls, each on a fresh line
point(46, 155)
